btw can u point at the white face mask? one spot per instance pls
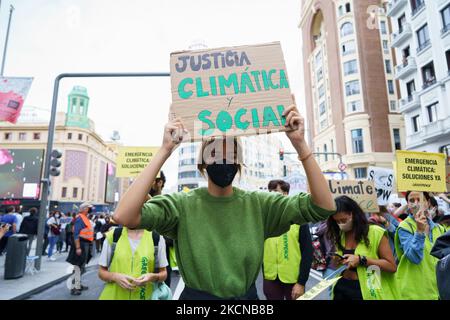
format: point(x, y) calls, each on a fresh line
point(346, 226)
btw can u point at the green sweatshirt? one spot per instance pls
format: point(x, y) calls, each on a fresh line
point(220, 240)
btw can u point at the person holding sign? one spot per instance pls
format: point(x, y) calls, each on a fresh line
point(416, 275)
point(219, 231)
point(365, 249)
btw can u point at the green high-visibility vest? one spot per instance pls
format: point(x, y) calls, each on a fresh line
point(375, 284)
point(417, 281)
point(282, 256)
point(172, 257)
point(134, 265)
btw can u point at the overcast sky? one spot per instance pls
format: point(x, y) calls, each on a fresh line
point(49, 37)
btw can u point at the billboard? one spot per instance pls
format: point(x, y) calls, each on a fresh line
point(20, 173)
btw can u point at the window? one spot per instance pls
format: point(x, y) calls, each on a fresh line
point(69, 136)
point(321, 91)
point(36, 136)
point(354, 106)
point(322, 108)
point(391, 86)
point(64, 192)
point(383, 27)
point(357, 141)
point(8, 136)
point(423, 38)
point(80, 136)
point(352, 88)
point(319, 58)
point(341, 11)
point(348, 8)
point(416, 5)
point(323, 124)
point(447, 55)
point(346, 29)
point(360, 173)
point(445, 14)
point(432, 113)
point(74, 101)
point(350, 67)
point(401, 23)
point(75, 192)
point(428, 74)
point(82, 193)
point(416, 123)
point(397, 140)
point(410, 88)
point(332, 147)
point(188, 174)
point(387, 63)
point(319, 74)
point(348, 48)
point(325, 150)
point(393, 105)
point(385, 45)
point(22, 136)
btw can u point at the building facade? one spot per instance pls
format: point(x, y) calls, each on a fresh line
point(421, 40)
point(87, 162)
point(350, 91)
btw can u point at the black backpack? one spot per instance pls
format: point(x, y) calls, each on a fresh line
point(441, 250)
point(116, 236)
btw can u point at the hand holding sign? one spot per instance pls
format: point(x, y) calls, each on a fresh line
point(295, 122)
point(174, 132)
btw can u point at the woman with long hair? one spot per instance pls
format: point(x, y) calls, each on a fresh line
point(365, 249)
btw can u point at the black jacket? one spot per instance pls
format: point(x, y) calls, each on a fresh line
point(441, 250)
point(29, 225)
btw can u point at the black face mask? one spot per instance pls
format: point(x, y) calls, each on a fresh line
point(222, 174)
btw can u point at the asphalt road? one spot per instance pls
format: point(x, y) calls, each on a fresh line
point(61, 292)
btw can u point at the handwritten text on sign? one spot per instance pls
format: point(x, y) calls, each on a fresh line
point(362, 191)
point(420, 171)
point(230, 91)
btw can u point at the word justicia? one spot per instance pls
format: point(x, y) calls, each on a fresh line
point(214, 60)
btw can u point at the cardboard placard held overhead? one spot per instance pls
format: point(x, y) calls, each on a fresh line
point(131, 161)
point(420, 171)
point(230, 91)
point(384, 183)
point(362, 191)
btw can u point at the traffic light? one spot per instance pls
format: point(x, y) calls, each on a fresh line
point(281, 154)
point(55, 163)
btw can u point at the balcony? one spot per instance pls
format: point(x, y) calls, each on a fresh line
point(399, 37)
point(415, 12)
point(445, 30)
point(436, 129)
point(407, 68)
point(395, 6)
point(410, 103)
point(429, 82)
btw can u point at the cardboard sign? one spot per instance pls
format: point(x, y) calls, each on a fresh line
point(421, 171)
point(13, 92)
point(384, 183)
point(131, 161)
point(230, 91)
point(362, 191)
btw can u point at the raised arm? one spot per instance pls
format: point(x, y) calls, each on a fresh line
point(128, 212)
point(318, 186)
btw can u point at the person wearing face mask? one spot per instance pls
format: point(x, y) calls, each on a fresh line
point(416, 275)
point(288, 258)
point(81, 252)
point(219, 231)
point(365, 250)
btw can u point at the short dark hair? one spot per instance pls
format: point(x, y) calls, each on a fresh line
point(33, 211)
point(284, 186)
point(162, 178)
point(10, 209)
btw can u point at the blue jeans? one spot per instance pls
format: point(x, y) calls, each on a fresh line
point(52, 242)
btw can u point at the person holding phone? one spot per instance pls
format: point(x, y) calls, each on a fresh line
point(365, 249)
point(416, 275)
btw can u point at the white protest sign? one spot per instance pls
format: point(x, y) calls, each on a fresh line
point(384, 183)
